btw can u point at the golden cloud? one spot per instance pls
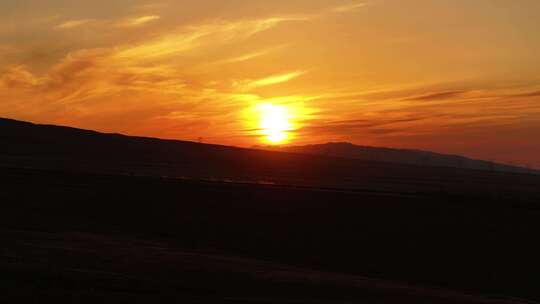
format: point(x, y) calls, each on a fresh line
point(267, 81)
point(192, 37)
point(138, 21)
point(348, 7)
point(70, 24)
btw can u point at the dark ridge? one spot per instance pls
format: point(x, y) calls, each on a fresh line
point(403, 156)
point(63, 148)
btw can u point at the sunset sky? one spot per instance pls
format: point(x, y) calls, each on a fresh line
point(451, 76)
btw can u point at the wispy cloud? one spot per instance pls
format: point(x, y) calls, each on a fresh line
point(191, 37)
point(138, 21)
point(528, 94)
point(270, 80)
point(70, 24)
point(348, 7)
point(162, 47)
point(17, 77)
point(247, 56)
point(85, 82)
point(438, 96)
point(404, 112)
point(241, 58)
point(390, 124)
point(147, 66)
point(478, 94)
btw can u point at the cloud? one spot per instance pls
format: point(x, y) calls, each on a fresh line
point(138, 21)
point(148, 68)
point(93, 73)
point(162, 47)
point(241, 58)
point(348, 7)
point(17, 77)
point(93, 87)
point(439, 96)
point(477, 94)
point(392, 114)
point(527, 94)
point(270, 80)
point(124, 23)
point(381, 126)
point(247, 56)
point(367, 123)
point(192, 37)
point(70, 24)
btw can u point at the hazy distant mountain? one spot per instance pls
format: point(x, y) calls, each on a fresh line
point(403, 156)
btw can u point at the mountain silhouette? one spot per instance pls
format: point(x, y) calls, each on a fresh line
point(402, 156)
point(345, 166)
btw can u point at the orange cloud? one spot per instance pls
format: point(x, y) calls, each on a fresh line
point(348, 7)
point(192, 37)
point(70, 24)
point(138, 21)
point(246, 57)
point(268, 81)
point(17, 77)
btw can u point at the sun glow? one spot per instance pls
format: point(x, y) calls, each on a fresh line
point(274, 123)
point(277, 120)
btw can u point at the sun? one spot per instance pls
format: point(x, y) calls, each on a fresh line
point(278, 120)
point(274, 122)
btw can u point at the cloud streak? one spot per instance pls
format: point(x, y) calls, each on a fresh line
point(192, 37)
point(438, 96)
point(270, 80)
point(348, 7)
point(138, 21)
point(71, 24)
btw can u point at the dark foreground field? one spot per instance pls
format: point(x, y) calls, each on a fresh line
point(93, 238)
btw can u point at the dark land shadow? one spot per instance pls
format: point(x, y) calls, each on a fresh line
point(79, 224)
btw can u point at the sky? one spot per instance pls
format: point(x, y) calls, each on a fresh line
point(451, 76)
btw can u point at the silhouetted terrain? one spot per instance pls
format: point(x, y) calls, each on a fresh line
point(415, 157)
point(88, 217)
point(61, 148)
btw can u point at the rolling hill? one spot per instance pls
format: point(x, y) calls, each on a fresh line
point(401, 156)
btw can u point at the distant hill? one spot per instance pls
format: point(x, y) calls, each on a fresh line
point(403, 156)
